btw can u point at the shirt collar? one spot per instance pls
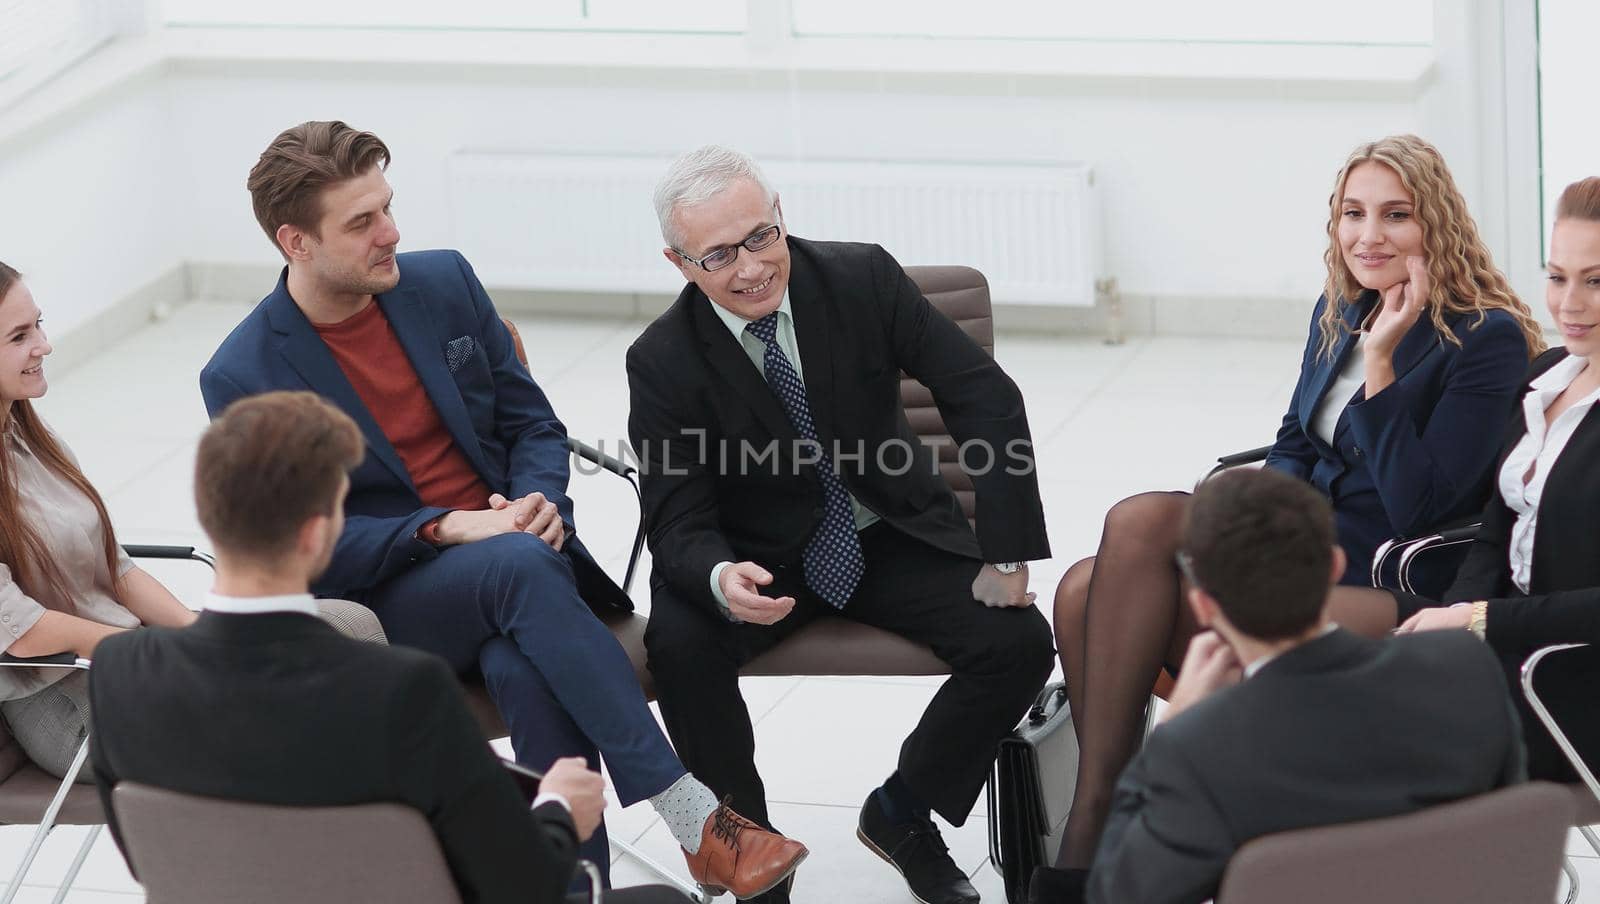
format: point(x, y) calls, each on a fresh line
point(257, 605)
point(736, 324)
point(1560, 376)
point(1259, 664)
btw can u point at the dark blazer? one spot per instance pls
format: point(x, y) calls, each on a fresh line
point(1563, 600)
point(1416, 455)
point(1339, 729)
point(698, 402)
point(280, 708)
point(495, 412)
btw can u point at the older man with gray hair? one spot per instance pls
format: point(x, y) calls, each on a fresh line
point(782, 483)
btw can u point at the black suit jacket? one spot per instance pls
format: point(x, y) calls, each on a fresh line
point(723, 479)
point(1341, 728)
point(1563, 600)
point(279, 708)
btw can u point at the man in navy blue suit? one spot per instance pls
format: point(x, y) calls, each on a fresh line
point(459, 533)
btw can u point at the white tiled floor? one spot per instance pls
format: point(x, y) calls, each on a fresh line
point(1109, 421)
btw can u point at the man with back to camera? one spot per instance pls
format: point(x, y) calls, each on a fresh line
point(459, 532)
point(349, 722)
point(1279, 715)
point(766, 413)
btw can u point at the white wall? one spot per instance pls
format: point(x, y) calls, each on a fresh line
point(88, 209)
point(1218, 194)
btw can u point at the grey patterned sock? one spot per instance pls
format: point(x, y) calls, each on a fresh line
point(684, 807)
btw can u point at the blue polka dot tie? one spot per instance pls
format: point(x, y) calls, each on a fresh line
point(833, 560)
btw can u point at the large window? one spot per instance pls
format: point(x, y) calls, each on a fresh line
point(39, 38)
point(1381, 22)
point(576, 15)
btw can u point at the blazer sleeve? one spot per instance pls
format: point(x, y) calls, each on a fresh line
point(679, 491)
point(980, 403)
point(1165, 841)
point(496, 849)
point(535, 439)
point(1486, 571)
point(1423, 472)
point(1292, 452)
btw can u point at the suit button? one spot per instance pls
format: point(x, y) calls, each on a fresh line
point(5, 618)
point(1356, 451)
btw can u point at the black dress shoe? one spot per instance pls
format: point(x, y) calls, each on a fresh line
point(916, 849)
point(1049, 885)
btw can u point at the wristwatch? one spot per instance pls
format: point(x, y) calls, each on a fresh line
point(1007, 567)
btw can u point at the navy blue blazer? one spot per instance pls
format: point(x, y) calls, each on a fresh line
point(467, 362)
point(1420, 453)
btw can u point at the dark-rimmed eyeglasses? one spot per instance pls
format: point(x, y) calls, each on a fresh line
point(722, 257)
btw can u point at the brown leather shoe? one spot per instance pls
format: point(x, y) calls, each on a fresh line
point(739, 856)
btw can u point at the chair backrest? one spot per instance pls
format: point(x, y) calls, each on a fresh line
point(1499, 848)
point(962, 294)
point(200, 850)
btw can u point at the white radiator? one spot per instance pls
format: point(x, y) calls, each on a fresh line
point(578, 223)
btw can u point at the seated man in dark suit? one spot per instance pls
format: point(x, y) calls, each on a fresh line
point(782, 483)
point(260, 701)
point(1281, 720)
point(459, 531)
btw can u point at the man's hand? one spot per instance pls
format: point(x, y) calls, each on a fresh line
point(545, 522)
point(531, 514)
point(583, 788)
point(1209, 666)
point(739, 583)
point(1440, 618)
point(997, 590)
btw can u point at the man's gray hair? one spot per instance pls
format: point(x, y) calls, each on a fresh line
point(699, 176)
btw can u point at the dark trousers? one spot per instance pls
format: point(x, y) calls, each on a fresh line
point(639, 894)
point(999, 660)
point(515, 587)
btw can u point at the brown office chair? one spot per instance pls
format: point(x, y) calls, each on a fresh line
point(199, 850)
point(831, 645)
point(1505, 847)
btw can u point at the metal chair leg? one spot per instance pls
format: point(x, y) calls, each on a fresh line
point(1589, 836)
point(1572, 880)
point(695, 892)
point(47, 823)
point(77, 864)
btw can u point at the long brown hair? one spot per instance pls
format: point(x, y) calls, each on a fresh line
point(21, 547)
point(1465, 279)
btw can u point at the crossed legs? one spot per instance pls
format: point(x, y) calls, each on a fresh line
point(1120, 616)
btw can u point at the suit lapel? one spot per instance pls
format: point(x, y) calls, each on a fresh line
point(810, 311)
point(727, 357)
point(1421, 339)
point(409, 319)
point(1327, 368)
point(305, 351)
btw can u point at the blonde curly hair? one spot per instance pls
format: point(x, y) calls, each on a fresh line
point(1465, 279)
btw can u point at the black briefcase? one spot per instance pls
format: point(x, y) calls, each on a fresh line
point(1030, 791)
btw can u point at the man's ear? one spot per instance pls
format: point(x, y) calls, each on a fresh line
point(294, 242)
point(1203, 607)
point(1336, 568)
point(312, 536)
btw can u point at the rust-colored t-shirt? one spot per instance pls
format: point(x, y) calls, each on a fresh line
point(373, 360)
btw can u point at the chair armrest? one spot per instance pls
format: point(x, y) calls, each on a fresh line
point(54, 660)
point(596, 457)
point(1243, 458)
point(596, 886)
point(182, 553)
point(1402, 551)
point(1234, 460)
point(1529, 666)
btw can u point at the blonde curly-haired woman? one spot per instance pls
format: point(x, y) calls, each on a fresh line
point(1416, 351)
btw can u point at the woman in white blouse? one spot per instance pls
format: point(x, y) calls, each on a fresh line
point(1416, 343)
point(1532, 577)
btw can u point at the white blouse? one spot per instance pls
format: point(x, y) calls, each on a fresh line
point(1537, 451)
point(1341, 391)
